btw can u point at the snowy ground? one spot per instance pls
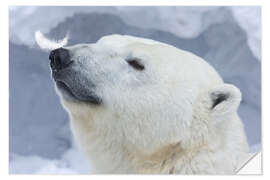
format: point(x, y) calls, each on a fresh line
point(71, 162)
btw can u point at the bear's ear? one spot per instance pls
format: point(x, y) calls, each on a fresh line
point(224, 99)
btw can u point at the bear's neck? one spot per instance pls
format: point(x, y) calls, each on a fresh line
point(108, 152)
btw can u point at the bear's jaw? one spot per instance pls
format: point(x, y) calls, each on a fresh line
point(111, 154)
point(69, 94)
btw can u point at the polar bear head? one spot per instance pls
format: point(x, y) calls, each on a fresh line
point(143, 92)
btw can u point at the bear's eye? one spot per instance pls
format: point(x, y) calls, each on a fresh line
point(136, 64)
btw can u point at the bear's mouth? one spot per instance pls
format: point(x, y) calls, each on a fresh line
point(64, 89)
point(71, 95)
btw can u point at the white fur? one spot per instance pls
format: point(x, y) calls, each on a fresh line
point(159, 120)
point(47, 44)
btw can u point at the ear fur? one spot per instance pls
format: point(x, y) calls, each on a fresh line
point(225, 99)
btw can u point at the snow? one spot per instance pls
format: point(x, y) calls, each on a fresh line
point(255, 148)
point(186, 22)
point(72, 162)
point(250, 20)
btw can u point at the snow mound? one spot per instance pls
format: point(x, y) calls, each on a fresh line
point(72, 162)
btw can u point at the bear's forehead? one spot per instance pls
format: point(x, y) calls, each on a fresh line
point(124, 40)
point(160, 59)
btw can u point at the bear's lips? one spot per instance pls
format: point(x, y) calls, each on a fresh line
point(64, 87)
point(69, 94)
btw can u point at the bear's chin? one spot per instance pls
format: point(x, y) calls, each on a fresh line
point(69, 95)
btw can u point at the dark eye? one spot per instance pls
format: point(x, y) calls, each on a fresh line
point(136, 64)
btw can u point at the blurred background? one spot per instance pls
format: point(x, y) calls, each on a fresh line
point(229, 38)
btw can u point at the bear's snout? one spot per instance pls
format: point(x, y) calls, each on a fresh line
point(59, 59)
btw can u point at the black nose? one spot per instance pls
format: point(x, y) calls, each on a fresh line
point(59, 59)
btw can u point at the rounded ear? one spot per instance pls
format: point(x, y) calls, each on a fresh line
point(225, 99)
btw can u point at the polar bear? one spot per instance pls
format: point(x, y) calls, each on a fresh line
point(141, 106)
